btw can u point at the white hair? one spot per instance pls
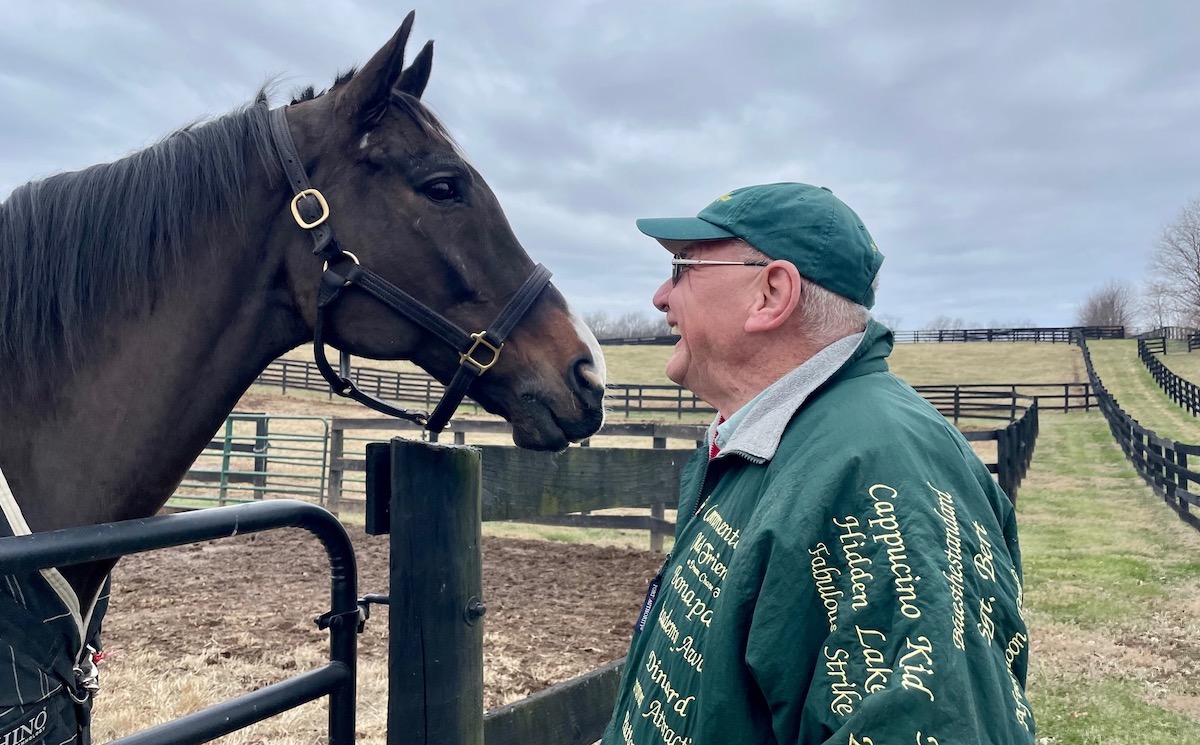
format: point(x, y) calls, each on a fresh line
point(824, 314)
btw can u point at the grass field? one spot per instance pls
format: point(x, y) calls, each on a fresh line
point(1112, 577)
point(1131, 384)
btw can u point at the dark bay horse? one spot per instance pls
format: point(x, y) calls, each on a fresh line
point(139, 299)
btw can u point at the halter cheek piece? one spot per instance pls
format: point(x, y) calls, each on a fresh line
point(311, 212)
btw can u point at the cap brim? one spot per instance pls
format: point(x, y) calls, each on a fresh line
point(674, 232)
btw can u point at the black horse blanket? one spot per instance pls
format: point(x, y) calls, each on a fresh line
point(47, 640)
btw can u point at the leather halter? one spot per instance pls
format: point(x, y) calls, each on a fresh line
point(311, 212)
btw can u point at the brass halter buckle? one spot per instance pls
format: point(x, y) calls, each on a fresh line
point(480, 339)
point(320, 200)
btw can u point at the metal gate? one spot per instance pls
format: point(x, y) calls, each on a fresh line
point(29, 553)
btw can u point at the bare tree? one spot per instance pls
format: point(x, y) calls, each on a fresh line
point(635, 324)
point(946, 323)
point(1158, 305)
point(888, 319)
point(600, 324)
point(1175, 263)
point(627, 325)
point(1111, 305)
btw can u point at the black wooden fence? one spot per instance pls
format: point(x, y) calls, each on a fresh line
point(1051, 334)
point(1014, 449)
point(1161, 462)
point(1175, 333)
point(1183, 392)
point(633, 400)
point(648, 478)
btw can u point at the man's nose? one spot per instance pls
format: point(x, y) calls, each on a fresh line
point(662, 294)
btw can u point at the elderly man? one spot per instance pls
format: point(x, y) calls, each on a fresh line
point(845, 568)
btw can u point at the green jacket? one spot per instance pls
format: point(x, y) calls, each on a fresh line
point(857, 582)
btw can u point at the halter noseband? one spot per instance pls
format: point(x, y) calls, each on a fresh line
point(311, 212)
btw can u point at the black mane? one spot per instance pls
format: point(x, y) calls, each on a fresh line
point(78, 247)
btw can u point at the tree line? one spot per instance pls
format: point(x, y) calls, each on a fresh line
point(1169, 296)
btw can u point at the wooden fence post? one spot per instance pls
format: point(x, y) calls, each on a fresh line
point(1181, 480)
point(435, 656)
point(262, 441)
point(226, 452)
point(336, 455)
point(658, 510)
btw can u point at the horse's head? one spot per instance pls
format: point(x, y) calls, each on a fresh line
point(406, 203)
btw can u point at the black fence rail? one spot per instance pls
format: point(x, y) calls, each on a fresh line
point(1052, 334)
point(1005, 401)
point(640, 340)
point(1183, 392)
point(1014, 449)
point(641, 471)
point(1174, 333)
point(1161, 462)
point(1157, 345)
point(633, 400)
point(411, 387)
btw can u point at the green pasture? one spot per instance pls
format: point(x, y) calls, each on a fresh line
point(1130, 383)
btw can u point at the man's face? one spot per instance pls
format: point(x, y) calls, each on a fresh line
point(707, 308)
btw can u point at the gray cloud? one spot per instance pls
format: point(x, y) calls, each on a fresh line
point(1008, 159)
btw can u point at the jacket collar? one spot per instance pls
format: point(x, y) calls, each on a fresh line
point(761, 423)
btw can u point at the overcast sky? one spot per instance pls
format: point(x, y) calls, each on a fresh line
point(1008, 158)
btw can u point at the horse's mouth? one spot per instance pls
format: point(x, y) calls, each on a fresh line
point(536, 425)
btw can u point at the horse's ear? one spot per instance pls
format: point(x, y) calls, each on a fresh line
point(415, 78)
point(368, 93)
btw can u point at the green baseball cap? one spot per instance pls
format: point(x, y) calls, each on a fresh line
point(806, 225)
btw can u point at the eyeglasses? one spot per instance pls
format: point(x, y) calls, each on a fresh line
point(678, 265)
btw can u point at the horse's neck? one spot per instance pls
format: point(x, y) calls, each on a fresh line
point(116, 440)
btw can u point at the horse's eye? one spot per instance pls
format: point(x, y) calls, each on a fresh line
point(440, 190)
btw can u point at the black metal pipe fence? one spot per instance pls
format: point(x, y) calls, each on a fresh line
point(30, 553)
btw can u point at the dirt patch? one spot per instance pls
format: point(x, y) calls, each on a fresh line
point(554, 611)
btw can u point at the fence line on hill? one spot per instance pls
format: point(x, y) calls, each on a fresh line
point(1162, 463)
point(1175, 333)
point(1050, 334)
point(1183, 392)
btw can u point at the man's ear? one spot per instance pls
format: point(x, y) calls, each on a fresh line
point(777, 297)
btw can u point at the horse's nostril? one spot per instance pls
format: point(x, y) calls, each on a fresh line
point(585, 375)
point(587, 384)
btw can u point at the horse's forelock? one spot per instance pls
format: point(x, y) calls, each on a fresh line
point(308, 93)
